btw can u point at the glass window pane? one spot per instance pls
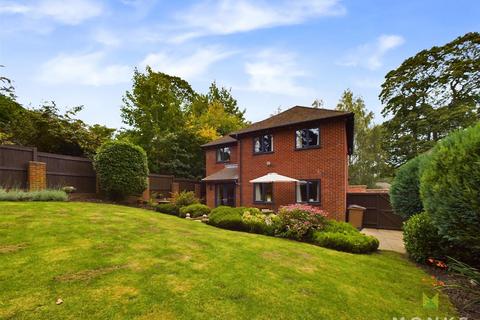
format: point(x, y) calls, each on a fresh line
point(257, 145)
point(268, 192)
point(258, 192)
point(313, 191)
point(226, 154)
point(267, 143)
point(303, 192)
point(313, 137)
point(298, 139)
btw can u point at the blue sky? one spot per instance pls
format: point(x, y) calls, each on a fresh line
point(271, 53)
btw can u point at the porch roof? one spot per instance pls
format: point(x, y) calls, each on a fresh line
point(227, 173)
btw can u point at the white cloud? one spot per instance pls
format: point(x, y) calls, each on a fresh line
point(187, 67)
point(232, 16)
point(370, 55)
point(71, 12)
point(106, 38)
point(83, 69)
point(275, 72)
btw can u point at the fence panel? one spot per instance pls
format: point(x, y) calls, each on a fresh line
point(186, 184)
point(69, 171)
point(379, 213)
point(14, 164)
point(161, 184)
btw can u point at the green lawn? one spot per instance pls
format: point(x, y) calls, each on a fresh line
point(114, 262)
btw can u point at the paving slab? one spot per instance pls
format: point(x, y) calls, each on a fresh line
point(389, 239)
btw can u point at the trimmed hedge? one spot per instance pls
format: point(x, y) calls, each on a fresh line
point(41, 195)
point(347, 242)
point(339, 226)
point(421, 238)
point(227, 218)
point(450, 189)
point(121, 168)
point(405, 189)
point(195, 210)
point(168, 208)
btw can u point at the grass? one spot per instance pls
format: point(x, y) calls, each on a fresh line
point(113, 262)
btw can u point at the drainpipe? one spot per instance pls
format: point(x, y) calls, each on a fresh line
point(240, 169)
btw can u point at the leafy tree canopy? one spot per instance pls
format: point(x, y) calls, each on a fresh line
point(168, 119)
point(429, 95)
point(368, 162)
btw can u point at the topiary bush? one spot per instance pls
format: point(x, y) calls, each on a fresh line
point(405, 189)
point(227, 218)
point(298, 221)
point(195, 210)
point(347, 242)
point(421, 238)
point(450, 190)
point(168, 208)
point(184, 198)
point(121, 168)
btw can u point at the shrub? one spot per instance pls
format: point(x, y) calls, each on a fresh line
point(40, 195)
point(421, 238)
point(339, 226)
point(184, 198)
point(299, 221)
point(227, 218)
point(195, 210)
point(257, 222)
point(121, 169)
point(347, 242)
point(405, 189)
point(168, 208)
point(450, 192)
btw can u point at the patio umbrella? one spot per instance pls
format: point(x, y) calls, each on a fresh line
point(273, 177)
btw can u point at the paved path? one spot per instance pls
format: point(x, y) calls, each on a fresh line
point(389, 239)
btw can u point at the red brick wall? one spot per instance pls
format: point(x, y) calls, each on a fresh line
point(211, 159)
point(328, 163)
point(212, 166)
point(37, 175)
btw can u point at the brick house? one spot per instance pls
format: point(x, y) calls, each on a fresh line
point(308, 144)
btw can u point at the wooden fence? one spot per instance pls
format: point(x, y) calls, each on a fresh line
point(379, 213)
point(65, 170)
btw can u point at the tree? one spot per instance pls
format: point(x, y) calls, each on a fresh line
point(431, 94)
point(224, 96)
point(171, 121)
point(121, 168)
point(317, 103)
point(367, 163)
point(49, 130)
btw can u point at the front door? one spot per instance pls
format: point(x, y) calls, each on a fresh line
point(225, 194)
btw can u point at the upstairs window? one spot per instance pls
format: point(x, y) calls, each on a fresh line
point(263, 192)
point(263, 144)
point(307, 138)
point(223, 154)
point(308, 191)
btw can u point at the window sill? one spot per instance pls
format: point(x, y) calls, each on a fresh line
point(313, 203)
point(263, 202)
point(307, 148)
point(260, 153)
point(220, 162)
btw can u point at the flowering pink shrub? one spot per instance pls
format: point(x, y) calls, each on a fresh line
point(298, 221)
point(305, 207)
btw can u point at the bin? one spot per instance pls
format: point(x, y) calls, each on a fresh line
point(355, 215)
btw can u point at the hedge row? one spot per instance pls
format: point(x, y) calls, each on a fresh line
point(446, 180)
